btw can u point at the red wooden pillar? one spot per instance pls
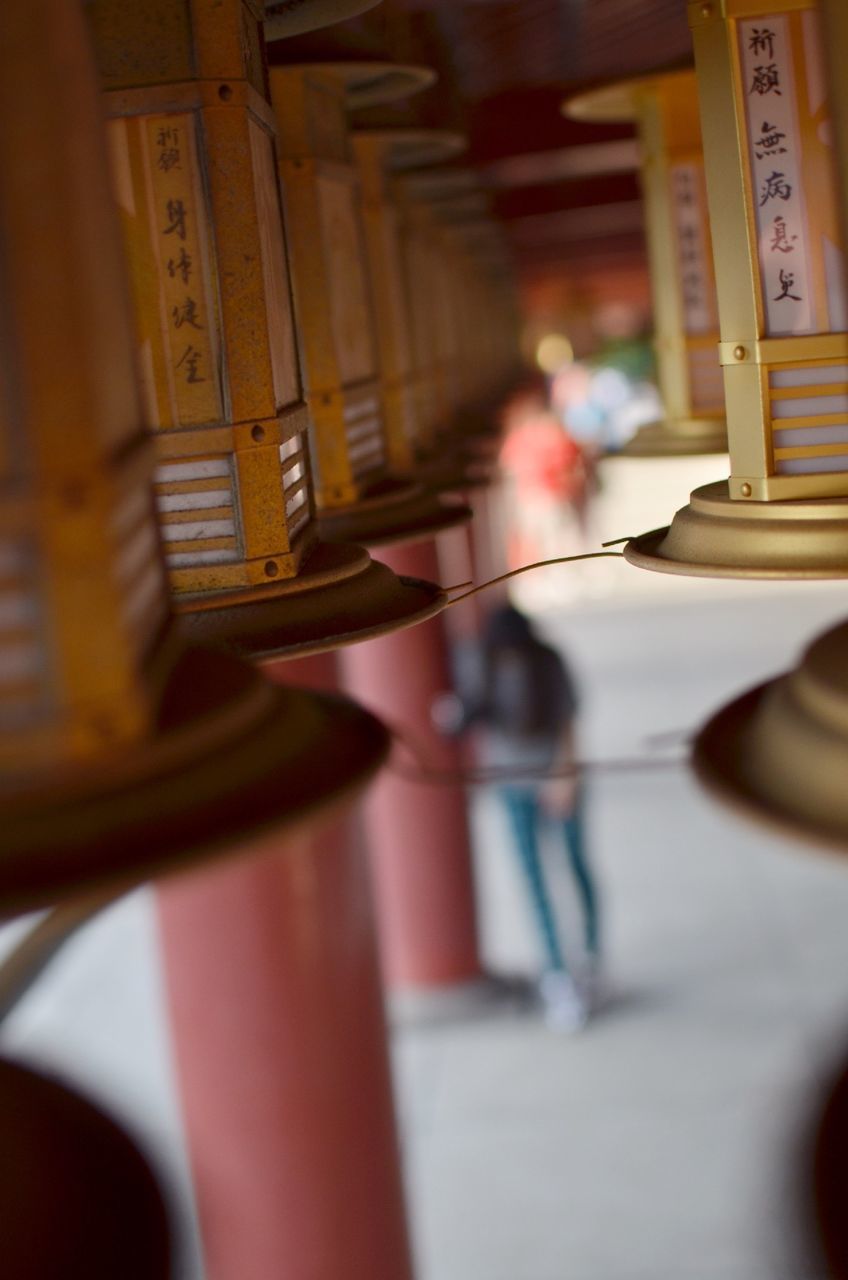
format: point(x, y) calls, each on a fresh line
point(277, 1022)
point(418, 836)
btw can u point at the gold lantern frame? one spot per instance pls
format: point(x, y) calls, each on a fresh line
point(686, 334)
point(783, 513)
point(359, 495)
point(195, 136)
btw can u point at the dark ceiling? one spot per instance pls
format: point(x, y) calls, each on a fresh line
point(565, 192)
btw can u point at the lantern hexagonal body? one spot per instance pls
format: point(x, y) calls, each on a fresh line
point(356, 433)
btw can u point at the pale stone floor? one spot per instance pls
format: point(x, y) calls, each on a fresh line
point(661, 1144)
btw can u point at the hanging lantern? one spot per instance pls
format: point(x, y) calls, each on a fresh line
point(393, 157)
point(76, 1197)
point(772, 187)
point(665, 109)
point(192, 138)
point(780, 751)
point(123, 753)
point(474, 291)
point(358, 425)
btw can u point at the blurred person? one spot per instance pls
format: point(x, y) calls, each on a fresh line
point(549, 480)
point(520, 696)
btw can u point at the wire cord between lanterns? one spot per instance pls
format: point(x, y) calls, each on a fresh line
point(525, 568)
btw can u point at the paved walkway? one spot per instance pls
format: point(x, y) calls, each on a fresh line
point(659, 1144)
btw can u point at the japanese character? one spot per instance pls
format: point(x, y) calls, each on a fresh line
point(766, 80)
point(781, 241)
point(775, 187)
point(176, 214)
point(168, 142)
point(770, 141)
point(191, 357)
point(186, 314)
point(761, 40)
point(180, 266)
point(787, 281)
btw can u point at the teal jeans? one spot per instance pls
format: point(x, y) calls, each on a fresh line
point(528, 820)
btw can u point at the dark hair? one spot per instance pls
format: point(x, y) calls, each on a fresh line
point(508, 628)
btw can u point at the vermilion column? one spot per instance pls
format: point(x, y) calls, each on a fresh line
point(278, 1028)
point(418, 836)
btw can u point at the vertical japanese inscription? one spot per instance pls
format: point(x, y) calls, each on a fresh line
point(175, 216)
point(776, 138)
point(700, 314)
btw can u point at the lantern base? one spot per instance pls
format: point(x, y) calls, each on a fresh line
point(372, 84)
point(391, 513)
point(406, 148)
point(340, 596)
point(293, 17)
point(231, 756)
point(680, 438)
point(780, 751)
point(453, 474)
point(76, 1196)
point(716, 536)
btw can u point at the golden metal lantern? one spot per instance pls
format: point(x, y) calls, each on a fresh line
point(353, 400)
point(780, 751)
point(192, 138)
point(665, 109)
point(123, 753)
point(772, 189)
point(390, 159)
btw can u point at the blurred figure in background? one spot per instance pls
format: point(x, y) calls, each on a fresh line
point(548, 476)
point(520, 696)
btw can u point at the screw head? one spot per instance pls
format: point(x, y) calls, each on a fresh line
point(257, 432)
point(271, 568)
point(746, 490)
point(739, 353)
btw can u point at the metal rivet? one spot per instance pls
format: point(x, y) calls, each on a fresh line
point(225, 92)
point(258, 432)
point(739, 353)
point(271, 568)
point(746, 490)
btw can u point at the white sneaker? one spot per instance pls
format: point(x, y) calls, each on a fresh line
point(565, 1008)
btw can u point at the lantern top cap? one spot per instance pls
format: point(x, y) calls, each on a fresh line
point(285, 18)
point(621, 101)
point(367, 84)
point(415, 148)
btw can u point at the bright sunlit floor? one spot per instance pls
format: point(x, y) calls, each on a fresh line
point(659, 1143)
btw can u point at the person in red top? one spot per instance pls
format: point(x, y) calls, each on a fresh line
point(548, 474)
